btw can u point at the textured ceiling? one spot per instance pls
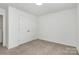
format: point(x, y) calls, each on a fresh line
point(43, 9)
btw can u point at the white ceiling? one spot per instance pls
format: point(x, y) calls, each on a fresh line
point(43, 9)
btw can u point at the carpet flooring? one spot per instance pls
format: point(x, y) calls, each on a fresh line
point(40, 47)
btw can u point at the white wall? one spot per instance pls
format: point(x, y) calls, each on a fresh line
point(19, 24)
point(59, 27)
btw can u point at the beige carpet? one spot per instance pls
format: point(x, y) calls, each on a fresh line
point(40, 47)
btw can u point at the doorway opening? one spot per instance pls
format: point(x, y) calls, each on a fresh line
point(1, 30)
